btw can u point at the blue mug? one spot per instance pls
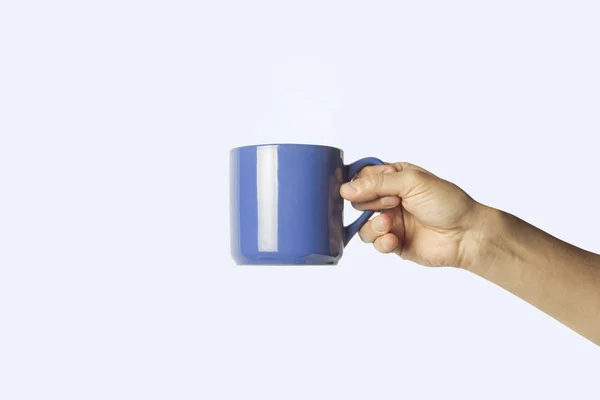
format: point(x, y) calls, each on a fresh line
point(285, 204)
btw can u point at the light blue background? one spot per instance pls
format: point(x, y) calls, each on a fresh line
point(115, 122)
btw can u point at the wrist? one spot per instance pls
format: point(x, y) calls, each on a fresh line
point(482, 242)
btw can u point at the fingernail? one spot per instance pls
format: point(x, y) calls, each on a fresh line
point(389, 171)
point(349, 188)
point(379, 225)
point(389, 201)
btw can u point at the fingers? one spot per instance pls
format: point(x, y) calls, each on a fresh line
point(382, 203)
point(386, 243)
point(376, 169)
point(375, 228)
point(389, 168)
point(377, 231)
point(372, 187)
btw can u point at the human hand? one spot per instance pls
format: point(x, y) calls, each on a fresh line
point(422, 218)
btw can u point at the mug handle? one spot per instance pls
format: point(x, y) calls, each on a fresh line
point(351, 170)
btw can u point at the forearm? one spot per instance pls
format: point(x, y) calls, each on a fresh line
point(554, 276)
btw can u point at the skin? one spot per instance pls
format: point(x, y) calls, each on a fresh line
point(433, 222)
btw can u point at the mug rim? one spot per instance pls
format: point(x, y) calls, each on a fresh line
point(285, 145)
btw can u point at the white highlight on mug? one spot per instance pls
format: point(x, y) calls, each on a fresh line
point(267, 197)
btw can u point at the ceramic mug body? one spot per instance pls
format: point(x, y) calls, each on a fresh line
point(285, 204)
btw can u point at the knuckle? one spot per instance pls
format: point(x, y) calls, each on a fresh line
point(406, 166)
point(366, 171)
point(373, 181)
point(388, 169)
point(375, 169)
point(402, 165)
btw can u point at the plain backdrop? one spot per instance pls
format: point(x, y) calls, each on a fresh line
point(116, 118)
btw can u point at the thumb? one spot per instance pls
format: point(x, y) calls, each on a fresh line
point(371, 187)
